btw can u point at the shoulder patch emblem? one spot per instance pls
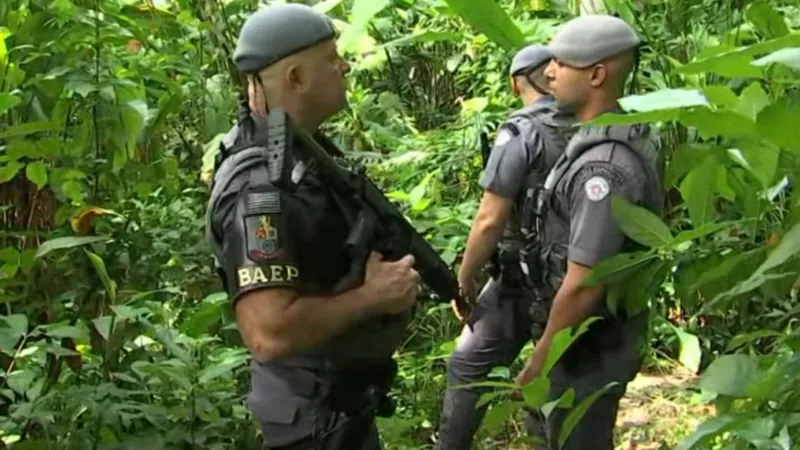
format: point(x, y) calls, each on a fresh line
point(596, 188)
point(263, 239)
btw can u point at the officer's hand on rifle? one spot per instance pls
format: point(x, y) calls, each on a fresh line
point(393, 285)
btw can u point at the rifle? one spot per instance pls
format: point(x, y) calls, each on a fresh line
point(375, 224)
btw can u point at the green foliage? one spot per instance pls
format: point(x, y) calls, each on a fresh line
point(116, 334)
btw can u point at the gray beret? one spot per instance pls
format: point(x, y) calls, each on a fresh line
point(530, 57)
point(273, 33)
point(588, 39)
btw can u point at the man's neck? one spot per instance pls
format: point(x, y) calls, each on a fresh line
point(530, 97)
point(592, 109)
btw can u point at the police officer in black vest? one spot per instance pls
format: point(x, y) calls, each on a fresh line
point(322, 360)
point(593, 57)
point(506, 317)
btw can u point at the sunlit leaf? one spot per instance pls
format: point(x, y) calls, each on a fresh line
point(730, 375)
point(718, 123)
point(766, 19)
point(778, 123)
point(12, 329)
point(708, 430)
point(752, 101)
point(720, 95)
point(760, 160)
point(9, 171)
point(489, 18)
point(697, 190)
point(67, 242)
point(663, 99)
point(690, 353)
point(37, 173)
point(8, 101)
point(640, 224)
point(536, 392)
point(789, 57)
point(617, 268)
point(735, 62)
point(362, 13)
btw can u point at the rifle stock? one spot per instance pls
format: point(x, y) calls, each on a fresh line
point(375, 224)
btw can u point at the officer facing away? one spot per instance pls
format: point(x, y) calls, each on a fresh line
point(321, 359)
point(593, 56)
point(527, 144)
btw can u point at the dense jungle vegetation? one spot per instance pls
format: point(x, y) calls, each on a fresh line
point(115, 333)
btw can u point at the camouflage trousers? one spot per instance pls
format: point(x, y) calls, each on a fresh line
point(502, 324)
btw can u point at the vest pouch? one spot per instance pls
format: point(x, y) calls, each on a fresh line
point(286, 401)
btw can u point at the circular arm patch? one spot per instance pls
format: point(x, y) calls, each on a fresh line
point(596, 188)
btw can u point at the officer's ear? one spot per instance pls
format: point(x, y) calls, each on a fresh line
point(514, 85)
point(598, 75)
point(296, 79)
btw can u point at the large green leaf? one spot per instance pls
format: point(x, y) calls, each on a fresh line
point(760, 160)
point(778, 122)
point(640, 224)
point(102, 272)
point(752, 101)
point(709, 429)
point(766, 19)
point(663, 99)
point(67, 242)
point(697, 190)
point(617, 268)
point(37, 173)
point(488, 17)
point(789, 57)
point(657, 115)
point(9, 171)
point(8, 101)
point(735, 62)
point(577, 413)
point(788, 247)
point(730, 375)
point(720, 95)
point(12, 328)
point(362, 13)
point(690, 354)
point(724, 123)
point(4, 33)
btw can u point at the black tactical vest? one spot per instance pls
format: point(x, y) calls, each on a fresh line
point(545, 128)
point(372, 340)
point(545, 259)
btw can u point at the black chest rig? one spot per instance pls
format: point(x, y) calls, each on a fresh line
point(547, 227)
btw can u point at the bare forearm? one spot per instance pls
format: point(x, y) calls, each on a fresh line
point(482, 241)
point(302, 323)
point(571, 305)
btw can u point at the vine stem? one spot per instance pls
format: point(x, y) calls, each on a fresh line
point(97, 88)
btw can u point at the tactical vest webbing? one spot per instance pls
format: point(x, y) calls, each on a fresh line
point(543, 259)
point(547, 131)
point(236, 157)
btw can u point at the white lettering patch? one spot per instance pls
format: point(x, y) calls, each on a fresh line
point(596, 188)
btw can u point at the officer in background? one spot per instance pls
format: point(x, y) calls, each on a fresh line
point(526, 145)
point(321, 359)
point(592, 58)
